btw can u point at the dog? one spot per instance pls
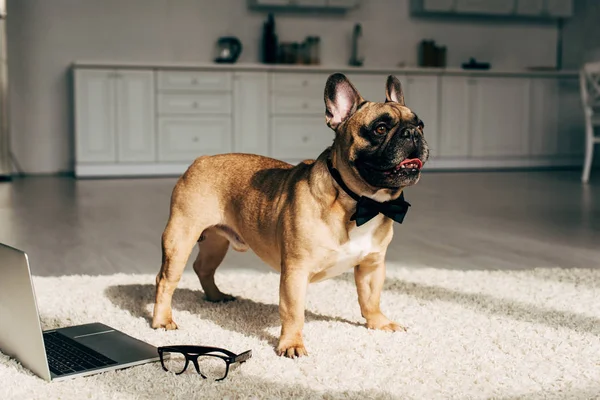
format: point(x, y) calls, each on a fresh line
point(311, 221)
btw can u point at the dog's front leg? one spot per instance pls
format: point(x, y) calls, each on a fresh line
point(292, 296)
point(369, 277)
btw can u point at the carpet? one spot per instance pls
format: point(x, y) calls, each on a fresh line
point(528, 334)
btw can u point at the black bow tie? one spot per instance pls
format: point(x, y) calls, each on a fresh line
point(367, 208)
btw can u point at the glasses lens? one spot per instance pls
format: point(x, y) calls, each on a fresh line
point(174, 362)
point(212, 367)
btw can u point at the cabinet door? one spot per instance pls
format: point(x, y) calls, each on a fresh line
point(421, 94)
point(299, 138)
point(454, 135)
point(310, 3)
point(251, 114)
point(371, 87)
point(438, 5)
point(342, 3)
point(95, 116)
point(497, 7)
point(559, 8)
point(500, 119)
point(135, 116)
point(530, 7)
point(272, 2)
point(544, 117)
point(571, 120)
point(186, 138)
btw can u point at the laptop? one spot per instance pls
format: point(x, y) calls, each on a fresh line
point(63, 353)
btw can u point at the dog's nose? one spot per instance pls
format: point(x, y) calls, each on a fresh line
point(408, 133)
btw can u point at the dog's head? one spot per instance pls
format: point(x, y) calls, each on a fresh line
point(382, 143)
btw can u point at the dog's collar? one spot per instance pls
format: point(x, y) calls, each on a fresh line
point(367, 208)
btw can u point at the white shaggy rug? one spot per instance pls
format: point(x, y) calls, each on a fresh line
point(471, 335)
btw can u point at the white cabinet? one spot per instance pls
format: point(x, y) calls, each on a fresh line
point(438, 5)
point(455, 106)
point(95, 116)
point(500, 117)
point(141, 122)
point(492, 7)
point(251, 115)
point(544, 117)
point(559, 8)
point(421, 95)
point(299, 138)
point(530, 7)
point(114, 116)
point(185, 139)
point(135, 116)
point(571, 126)
point(370, 87)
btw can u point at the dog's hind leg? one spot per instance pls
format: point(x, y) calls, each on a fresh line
point(212, 249)
point(178, 240)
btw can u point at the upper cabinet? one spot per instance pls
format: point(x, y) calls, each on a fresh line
point(333, 5)
point(548, 9)
point(491, 7)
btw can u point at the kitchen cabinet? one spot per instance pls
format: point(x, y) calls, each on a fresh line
point(530, 7)
point(339, 5)
point(539, 9)
point(185, 139)
point(571, 125)
point(133, 121)
point(299, 138)
point(251, 115)
point(438, 5)
point(559, 8)
point(135, 116)
point(455, 114)
point(95, 116)
point(500, 116)
point(114, 116)
point(421, 94)
point(544, 122)
point(490, 7)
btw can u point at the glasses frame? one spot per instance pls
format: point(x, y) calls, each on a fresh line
point(192, 353)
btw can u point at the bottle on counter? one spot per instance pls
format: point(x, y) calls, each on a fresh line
point(269, 42)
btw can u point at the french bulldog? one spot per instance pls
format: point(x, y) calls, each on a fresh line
point(310, 221)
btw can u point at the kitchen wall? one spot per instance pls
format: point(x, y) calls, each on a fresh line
point(45, 36)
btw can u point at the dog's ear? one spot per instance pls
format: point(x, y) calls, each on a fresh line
point(393, 90)
point(341, 100)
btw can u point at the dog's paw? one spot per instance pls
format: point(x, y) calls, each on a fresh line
point(220, 298)
point(384, 324)
point(291, 349)
point(168, 324)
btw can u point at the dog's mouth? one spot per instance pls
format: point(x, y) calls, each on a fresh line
point(409, 165)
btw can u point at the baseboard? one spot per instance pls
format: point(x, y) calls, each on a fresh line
point(129, 170)
point(435, 164)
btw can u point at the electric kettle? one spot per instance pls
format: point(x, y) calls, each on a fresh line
point(228, 50)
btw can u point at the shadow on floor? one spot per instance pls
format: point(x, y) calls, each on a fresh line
point(491, 305)
point(241, 315)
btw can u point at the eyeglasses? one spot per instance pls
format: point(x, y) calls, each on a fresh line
point(210, 362)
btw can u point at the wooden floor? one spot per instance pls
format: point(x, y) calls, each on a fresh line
point(457, 220)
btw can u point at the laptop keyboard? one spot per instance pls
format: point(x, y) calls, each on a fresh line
point(66, 356)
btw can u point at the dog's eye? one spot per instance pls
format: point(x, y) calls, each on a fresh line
point(381, 129)
point(420, 124)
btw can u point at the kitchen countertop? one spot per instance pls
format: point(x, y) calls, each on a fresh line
point(323, 68)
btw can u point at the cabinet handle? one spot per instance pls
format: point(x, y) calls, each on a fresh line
point(304, 106)
point(195, 104)
point(304, 83)
point(195, 139)
point(305, 139)
point(195, 81)
point(410, 80)
point(472, 81)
